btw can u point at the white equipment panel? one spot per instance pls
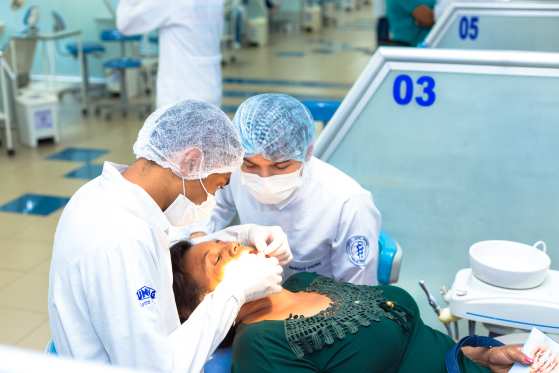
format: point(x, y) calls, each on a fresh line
point(475, 300)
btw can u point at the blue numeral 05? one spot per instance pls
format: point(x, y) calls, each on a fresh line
point(403, 90)
point(468, 28)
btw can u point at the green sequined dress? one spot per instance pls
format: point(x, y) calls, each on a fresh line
point(366, 329)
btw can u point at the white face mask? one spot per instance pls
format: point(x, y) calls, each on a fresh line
point(183, 212)
point(272, 190)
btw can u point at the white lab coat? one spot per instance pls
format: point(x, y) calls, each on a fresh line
point(323, 220)
point(110, 286)
point(190, 34)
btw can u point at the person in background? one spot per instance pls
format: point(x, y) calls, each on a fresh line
point(190, 34)
point(409, 20)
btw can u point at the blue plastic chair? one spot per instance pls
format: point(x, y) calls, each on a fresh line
point(74, 48)
point(87, 49)
point(113, 35)
point(123, 63)
point(322, 111)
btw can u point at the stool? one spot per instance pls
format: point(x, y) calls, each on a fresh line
point(87, 49)
point(122, 64)
point(150, 61)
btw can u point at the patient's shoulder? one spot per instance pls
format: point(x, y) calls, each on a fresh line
point(299, 281)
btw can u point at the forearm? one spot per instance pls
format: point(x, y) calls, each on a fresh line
point(424, 16)
point(196, 339)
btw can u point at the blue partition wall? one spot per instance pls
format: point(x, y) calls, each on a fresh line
point(457, 147)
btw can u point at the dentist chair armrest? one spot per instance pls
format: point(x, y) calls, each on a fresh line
point(389, 259)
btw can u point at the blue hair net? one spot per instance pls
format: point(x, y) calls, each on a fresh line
point(276, 126)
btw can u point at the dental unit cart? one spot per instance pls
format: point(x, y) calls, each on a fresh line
point(477, 301)
point(508, 287)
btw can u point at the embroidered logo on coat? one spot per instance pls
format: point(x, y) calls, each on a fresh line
point(357, 250)
point(145, 295)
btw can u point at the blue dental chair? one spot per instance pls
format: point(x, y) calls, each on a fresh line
point(322, 110)
point(389, 261)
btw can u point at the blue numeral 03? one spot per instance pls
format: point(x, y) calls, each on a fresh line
point(403, 90)
point(403, 81)
point(428, 98)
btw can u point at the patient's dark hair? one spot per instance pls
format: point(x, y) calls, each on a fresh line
point(188, 294)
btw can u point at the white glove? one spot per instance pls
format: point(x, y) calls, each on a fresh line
point(271, 241)
point(252, 277)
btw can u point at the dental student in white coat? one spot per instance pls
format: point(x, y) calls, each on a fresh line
point(110, 285)
point(190, 33)
point(331, 222)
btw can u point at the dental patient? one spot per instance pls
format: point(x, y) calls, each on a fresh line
point(316, 324)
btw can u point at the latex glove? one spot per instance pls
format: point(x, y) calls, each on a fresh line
point(252, 277)
point(271, 241)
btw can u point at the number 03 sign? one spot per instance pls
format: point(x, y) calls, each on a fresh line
point(405, 90)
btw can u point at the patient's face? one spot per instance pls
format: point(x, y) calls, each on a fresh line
point(206, 261)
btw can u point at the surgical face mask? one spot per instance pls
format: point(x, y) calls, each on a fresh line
point(272, 190)
point(183, 212)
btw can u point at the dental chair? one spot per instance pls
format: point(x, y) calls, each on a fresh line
point(323, 110)
point(389, 260)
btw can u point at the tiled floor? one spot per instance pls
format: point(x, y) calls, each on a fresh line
point(320, 65)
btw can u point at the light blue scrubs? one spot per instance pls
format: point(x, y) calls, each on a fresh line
point(402, 24)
